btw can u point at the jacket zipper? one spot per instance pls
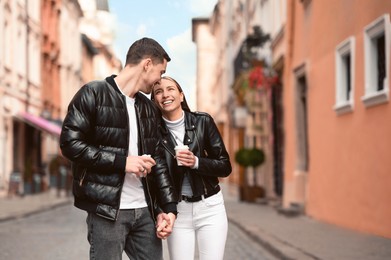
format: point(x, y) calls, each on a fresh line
point(127, 151)
point(202, 179)
point(143, 151)
point(167, 148)
point(205, 189)
point(82, 177)
point(150, 198)
point(199, 148)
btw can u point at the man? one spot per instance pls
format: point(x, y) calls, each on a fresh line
point(110, 135)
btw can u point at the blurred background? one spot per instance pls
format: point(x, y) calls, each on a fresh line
point(299, 90)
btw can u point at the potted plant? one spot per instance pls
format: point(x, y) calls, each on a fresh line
point(250, 157)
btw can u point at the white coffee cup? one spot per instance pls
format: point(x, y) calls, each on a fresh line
point(180, 148)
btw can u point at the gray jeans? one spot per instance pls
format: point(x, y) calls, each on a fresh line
point(133, 232)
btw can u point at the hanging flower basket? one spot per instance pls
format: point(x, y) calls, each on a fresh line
point(262, 78)
point(240, 87)
point(258, 78)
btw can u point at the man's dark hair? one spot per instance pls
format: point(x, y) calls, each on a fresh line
point(146, 48)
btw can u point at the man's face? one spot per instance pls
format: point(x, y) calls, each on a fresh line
point(154, 74)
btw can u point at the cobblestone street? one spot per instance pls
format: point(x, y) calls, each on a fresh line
point(61, 234)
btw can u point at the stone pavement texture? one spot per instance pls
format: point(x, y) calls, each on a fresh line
point(298, 237)
point(301, 237)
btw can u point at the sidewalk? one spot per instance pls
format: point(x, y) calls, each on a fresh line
point(19, 207)
point(301, 237)
point(297, 237)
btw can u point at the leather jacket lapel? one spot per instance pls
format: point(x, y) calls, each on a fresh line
point(190, 132)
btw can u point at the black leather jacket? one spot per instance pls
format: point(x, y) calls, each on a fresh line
point(204, 140)
point(95, 138)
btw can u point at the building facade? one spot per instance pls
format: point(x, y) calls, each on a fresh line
point(336, 99)
point(71, 54)
point(223, 66)
point(326, 130)
point(44, 60)
point(97, 25)
point(20, 84)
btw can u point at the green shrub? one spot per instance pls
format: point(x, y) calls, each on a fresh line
point(247, 157)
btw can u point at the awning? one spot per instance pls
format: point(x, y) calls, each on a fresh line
point(40, 123)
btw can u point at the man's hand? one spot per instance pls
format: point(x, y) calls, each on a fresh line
point(139, 165)
point(165, 223)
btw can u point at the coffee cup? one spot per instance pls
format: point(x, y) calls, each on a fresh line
point(180, 148)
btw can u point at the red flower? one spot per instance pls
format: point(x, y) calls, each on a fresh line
point(258, 78)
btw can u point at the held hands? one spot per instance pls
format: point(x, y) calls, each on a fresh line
point(139, 165)
point(165, 223)
point(187, 158)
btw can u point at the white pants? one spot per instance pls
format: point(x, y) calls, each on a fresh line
point(206, 221)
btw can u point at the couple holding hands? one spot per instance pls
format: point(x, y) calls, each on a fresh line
point(136, 187)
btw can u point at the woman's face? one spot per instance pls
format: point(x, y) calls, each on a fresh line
point(168, 98)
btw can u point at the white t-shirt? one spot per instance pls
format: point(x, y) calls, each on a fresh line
point(132, 195)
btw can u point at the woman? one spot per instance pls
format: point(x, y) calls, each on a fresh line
point(201, 210)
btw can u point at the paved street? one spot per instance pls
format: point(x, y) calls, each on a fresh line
point(61, 234)
point(54, 234)
point(241, 246)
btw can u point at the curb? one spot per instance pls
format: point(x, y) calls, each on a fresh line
point(277, 247)
point(35, 211)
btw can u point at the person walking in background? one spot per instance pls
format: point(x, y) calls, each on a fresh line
point(119, 175)
point(201, 211)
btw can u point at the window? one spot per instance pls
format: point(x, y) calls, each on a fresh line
point(301, 118)
point(377, 61)
point(7, 43)
point(344, 76)
point(305, 3)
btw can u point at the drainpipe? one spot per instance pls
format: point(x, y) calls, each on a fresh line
point(27, 56)
point(3, 143)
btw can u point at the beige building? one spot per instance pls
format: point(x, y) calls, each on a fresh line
point(20, 83)
point(44, 60)
point(221, 42)
point(98, 26)
point(71, 53)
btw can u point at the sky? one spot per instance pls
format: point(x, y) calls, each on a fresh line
point(167, 21)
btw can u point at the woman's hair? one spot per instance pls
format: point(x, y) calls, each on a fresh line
point(146, 48)
point(184, 104)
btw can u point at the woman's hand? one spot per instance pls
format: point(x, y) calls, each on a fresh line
point(165, 223)
point(187, 158)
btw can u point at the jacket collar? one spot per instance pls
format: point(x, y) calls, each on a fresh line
point(112, 83)
point(189, 130)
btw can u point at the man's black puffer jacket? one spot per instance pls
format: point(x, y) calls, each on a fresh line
point(95, 138)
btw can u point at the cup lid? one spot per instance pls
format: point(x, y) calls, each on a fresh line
point(180, 147)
